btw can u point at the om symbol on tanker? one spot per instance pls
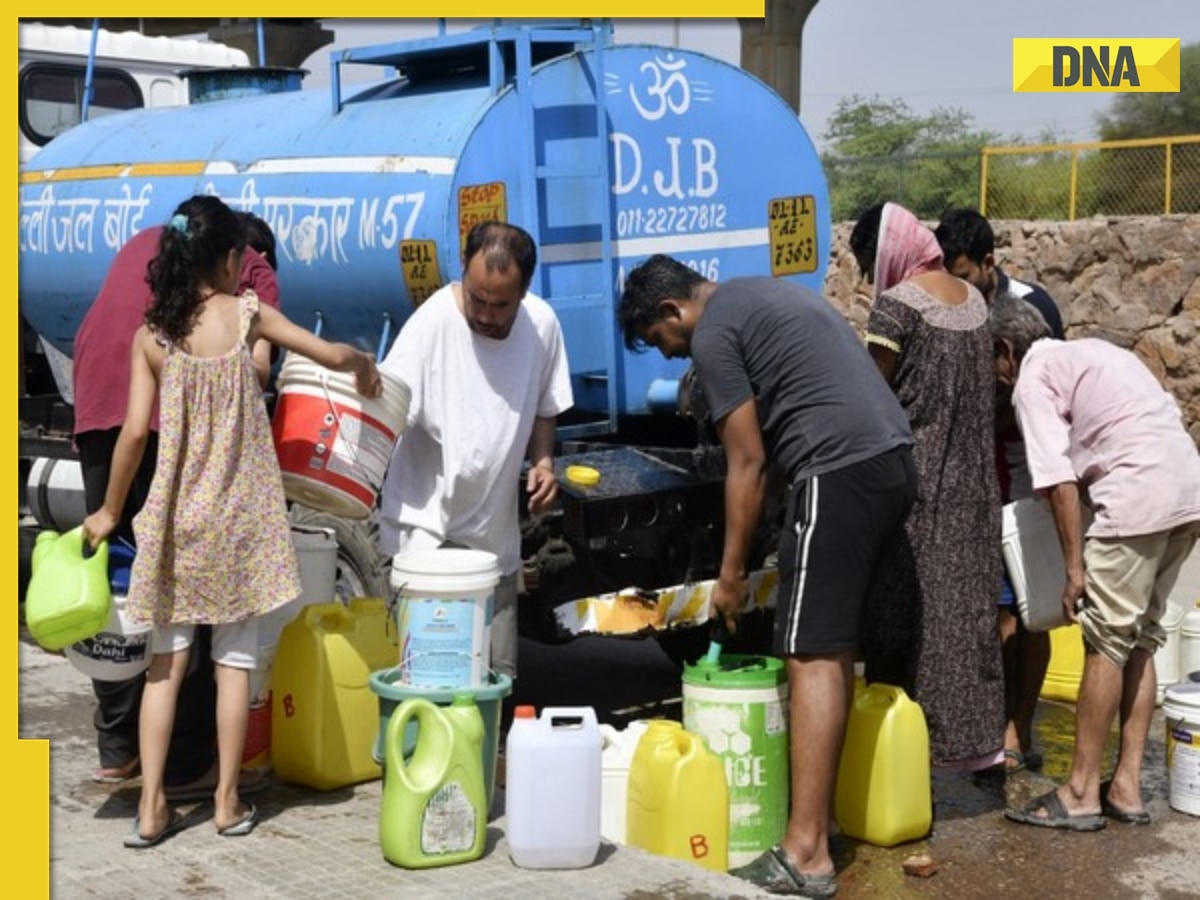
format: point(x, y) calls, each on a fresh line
point(670, 89)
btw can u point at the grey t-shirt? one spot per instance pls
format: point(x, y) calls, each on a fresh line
point(822, 403)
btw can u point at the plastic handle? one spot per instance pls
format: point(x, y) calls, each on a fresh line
point(327, 617)
point(428, 717)
point(586, 713)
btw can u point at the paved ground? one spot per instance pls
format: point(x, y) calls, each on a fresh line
point(313, 844)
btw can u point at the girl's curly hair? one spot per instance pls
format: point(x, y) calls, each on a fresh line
point(192, 247)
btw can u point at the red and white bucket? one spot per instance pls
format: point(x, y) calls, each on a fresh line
point(333, 443)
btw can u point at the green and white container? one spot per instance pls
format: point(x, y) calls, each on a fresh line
point(739, 706)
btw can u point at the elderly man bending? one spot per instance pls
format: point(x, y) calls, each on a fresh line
point(1097, 425)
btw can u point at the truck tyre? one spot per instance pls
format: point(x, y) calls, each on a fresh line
point(362, 571)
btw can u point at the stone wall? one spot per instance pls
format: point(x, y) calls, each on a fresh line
point(1133, 281)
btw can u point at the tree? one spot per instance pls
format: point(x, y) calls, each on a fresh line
point(880, 150)
point(1157, 115)
point(1131, 180)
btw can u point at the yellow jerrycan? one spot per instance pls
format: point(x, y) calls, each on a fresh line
point(69, 597)
point(677, 801)
point(324, 716)
point(434, 807)
point(883, 787)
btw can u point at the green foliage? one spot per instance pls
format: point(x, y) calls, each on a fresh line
point(880, 150)
point(1157, 115)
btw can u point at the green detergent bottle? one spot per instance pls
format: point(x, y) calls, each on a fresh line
point(434, 808)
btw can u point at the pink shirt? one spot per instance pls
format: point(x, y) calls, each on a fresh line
point(104, 343)
point(1091, 412)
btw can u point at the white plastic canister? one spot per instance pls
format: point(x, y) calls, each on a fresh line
point(1189, 642)
point(1181, 713)
point(616, 754)
point(444, 615)
point(552, 790)
point(1166, 659)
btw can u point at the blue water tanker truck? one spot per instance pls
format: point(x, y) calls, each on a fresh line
point(605, 153)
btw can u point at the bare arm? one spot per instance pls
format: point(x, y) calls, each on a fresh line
point(541, 485)
point(275, 327)
point(1065, 504)
point(745, 488)
point(131, 443)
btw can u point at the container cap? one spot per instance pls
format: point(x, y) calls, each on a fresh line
point(584, 476)
point(737, 671)
point(525, 712)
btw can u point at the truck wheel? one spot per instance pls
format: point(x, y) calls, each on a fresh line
point(362, 571)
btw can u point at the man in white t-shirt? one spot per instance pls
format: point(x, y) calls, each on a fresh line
point(488, 371)
point(1100, 429)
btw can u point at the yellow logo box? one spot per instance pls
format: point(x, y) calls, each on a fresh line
point(1095, 65)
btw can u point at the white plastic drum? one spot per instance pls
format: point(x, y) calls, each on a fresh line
point(54, 492)
point(333, 443)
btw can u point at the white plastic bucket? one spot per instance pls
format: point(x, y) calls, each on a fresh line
point(444, 615)
point(1181, 713)
point(1166, 659)
point(333, 443)
point(119, 652)
point(616, 755)
point(54, 492)
point(1189, 642)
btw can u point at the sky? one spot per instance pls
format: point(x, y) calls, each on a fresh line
point(929, 53)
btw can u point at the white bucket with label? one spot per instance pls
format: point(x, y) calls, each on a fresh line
point(120, 651)
point(333, 443)
point(444, 615)
point(1181, 713)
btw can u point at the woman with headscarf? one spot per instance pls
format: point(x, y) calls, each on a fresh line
point(931, 627)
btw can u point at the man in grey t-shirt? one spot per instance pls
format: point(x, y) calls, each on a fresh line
point(789, 385)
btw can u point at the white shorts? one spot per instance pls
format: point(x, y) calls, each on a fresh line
point(234, 644)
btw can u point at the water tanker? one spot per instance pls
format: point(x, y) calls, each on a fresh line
point(605, 153)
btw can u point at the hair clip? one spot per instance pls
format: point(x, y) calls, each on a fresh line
point(180, 223)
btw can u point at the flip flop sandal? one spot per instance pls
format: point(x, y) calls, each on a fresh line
point(775, 872)
point(118, 774)
point(135, 841)
point(242, 826)
point(1056, 815)
point(1128, 817)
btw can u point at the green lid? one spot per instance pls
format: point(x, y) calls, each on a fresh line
point(462, 698)
point(736, 671)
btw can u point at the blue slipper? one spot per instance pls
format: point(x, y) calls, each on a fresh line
point(243, 826)
point(135, 841)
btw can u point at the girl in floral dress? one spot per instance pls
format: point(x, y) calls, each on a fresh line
point(214, 545)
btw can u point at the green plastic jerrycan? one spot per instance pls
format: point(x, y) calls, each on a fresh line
point(69, 598)
point(434, 807)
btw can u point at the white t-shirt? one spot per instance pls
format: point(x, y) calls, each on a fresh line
point(455, 472)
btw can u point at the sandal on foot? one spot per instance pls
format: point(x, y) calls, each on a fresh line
point(1056, 815)
point(775, 872)
point(242, 826)
point(1016, 761)
point(117, 774)
point(135, 841)
point(1127, 816)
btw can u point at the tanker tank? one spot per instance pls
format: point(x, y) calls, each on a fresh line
point(605, 153)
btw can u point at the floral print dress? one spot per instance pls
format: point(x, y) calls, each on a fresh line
point(214, 544)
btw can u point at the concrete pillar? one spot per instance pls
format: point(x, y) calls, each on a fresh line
point(771, 46)
point(287, 43)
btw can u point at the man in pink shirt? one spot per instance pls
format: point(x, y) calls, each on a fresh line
point(100, 374)
point(1098, 426)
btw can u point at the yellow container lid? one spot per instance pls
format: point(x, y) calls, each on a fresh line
point(584, 476)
